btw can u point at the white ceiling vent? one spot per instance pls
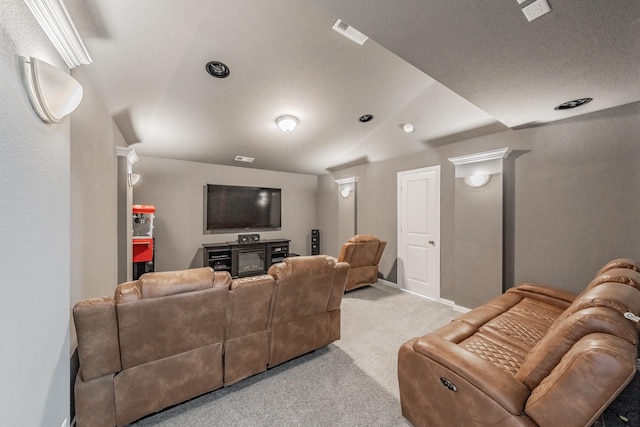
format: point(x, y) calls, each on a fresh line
point(244, 159)
point(349, 32)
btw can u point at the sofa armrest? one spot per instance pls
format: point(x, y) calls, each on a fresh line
point(498, 385)
point(97, 331)
point(544, 293)
point(587, 380)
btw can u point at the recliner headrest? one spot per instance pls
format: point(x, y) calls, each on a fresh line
point(166, 283)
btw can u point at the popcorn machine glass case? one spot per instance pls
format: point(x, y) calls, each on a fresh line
point(143, 233)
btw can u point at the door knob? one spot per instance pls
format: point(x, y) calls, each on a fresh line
point(431, 242)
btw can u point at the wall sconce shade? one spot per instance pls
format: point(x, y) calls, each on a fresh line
point(133, 179)
point(53, 93)
point(476, 169)
point(476, 181)
point(347, 185)
point(287, 123)
point(56, 23)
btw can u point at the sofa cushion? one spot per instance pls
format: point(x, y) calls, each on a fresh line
point(250, 305)
point(618, 275)
point(599, 311)
point(154, 328)
point(247, 343)
point(306, 287)
point(161, 284)
point(617, 296)
point(498, 351)
point(516, 329)
point(628, 263)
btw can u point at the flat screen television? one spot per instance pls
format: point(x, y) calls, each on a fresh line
point(229, 208)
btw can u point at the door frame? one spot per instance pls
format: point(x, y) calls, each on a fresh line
point(402, 174)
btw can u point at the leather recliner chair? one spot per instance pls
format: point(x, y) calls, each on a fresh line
point(363, 253)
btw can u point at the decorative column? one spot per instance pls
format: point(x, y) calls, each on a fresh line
point(478, 234)
point(126, 159)
point(347, 208)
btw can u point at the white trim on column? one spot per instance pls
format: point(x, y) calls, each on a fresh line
point(127, 152)
point(501, 153)
point(484, 163)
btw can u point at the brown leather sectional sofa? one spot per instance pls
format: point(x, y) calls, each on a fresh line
point(535, 356)
point(171, 336)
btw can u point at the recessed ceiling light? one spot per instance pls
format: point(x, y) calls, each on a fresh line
point(407, 127)
point(573, 104)
point(217, 69)
point(244, 159)
point(366, 118)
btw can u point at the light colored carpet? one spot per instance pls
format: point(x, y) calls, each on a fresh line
point(352, 382)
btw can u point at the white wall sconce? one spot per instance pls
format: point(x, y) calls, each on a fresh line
point(57, 25)
point(287, 123)
point(477, 181)
point(476, 169)
point(133, 179)
point(347, 185)
point(53, 93)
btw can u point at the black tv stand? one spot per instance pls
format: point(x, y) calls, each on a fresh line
point(245, 259)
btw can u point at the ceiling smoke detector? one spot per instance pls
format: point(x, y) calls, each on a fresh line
point(573, 104)
point(217, 69)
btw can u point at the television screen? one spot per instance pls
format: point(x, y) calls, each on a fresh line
point(233, 208)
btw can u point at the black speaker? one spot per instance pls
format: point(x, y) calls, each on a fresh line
point(248, 238)
point(315, 242)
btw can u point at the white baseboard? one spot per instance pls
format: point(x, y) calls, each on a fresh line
point(388, 283)
point(444, 301)
point(461, 309)
point(418, 295)
point(453, 305)
point(447, 302)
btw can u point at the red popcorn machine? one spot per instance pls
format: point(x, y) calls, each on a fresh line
point(143, 242)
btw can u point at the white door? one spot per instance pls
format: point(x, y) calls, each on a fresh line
point(419, 231)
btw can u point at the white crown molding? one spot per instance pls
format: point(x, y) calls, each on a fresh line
point(127, 152)
point(502, 153)
point(56, 23)
point(349, 180)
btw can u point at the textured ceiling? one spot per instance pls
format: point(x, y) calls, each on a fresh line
point(452, 69)
point(515, 70)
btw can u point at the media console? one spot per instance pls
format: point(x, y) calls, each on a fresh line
point(245, 259)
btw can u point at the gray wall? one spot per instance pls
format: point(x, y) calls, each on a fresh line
point(175, 188)
point(94, 163)
point(34, 236)
point(328, 200)
point(478, 225)
point(570, 200)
